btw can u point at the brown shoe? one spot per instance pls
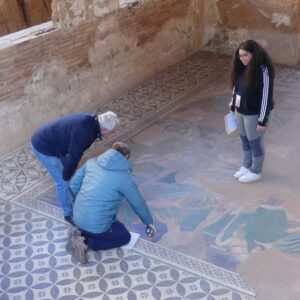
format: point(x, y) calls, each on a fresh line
point(80, 249)
point(72, 234)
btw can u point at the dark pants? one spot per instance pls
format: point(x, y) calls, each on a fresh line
point(115, 237)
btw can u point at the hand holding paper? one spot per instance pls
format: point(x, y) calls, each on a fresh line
point(230, 123)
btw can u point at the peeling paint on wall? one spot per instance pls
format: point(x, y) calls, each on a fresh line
point(281, 19)
point(100, 11)
point(74, 69)
point(74, 12)
point(236, 36)
point(178, 30)
point(229, 22)
point(264, 14)
point(78, 8)
point(110, 51)
point(211, 19)
point(130, 3)
point(100, 7)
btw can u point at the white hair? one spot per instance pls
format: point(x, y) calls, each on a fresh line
point(108, 120)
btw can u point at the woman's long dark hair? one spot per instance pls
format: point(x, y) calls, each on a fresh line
point(253, 71)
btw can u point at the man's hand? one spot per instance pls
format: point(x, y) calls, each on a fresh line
point(150, 231)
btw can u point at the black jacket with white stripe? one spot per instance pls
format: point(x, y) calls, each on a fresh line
point(255, 100)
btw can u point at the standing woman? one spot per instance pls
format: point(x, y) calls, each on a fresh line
point(252, 80)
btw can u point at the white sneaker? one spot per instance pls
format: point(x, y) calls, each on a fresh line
point(242, 171)
point(250, 177)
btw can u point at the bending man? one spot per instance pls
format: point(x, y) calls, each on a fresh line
point(60, 144)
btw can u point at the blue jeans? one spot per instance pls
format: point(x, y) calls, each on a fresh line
point(55, 168)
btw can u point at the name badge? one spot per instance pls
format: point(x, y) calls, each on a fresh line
point(237, 101)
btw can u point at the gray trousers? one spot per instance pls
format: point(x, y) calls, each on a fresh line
point(252, 142)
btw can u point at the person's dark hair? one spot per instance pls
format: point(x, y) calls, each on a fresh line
point(253, 71)
point(121, 147)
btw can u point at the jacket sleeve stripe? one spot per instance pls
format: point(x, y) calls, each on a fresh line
point(265, 96)
point(231, 103)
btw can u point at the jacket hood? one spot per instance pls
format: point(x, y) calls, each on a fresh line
point(113, 160)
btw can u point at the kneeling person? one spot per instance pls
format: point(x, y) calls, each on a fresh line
point(99, 187)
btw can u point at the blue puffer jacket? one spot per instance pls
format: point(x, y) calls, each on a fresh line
point(99, 186)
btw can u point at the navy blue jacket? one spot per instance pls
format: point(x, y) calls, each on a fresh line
point(67, 138)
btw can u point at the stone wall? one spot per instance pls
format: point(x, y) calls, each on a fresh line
point(275, 24)
point(95, 51)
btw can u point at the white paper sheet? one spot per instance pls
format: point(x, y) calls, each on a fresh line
point(230, 123)
point(134, 237)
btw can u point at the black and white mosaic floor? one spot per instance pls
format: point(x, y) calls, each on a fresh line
point(35, 265)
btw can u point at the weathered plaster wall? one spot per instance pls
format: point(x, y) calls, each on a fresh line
point(96, 51)
point(275, 24)
point(16, 15)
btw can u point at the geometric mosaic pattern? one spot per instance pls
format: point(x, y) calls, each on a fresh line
point(19, 171)
point(35, 265)
point(202, 269)
point(36, 199)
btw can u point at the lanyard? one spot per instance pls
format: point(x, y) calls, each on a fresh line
point(240, 83)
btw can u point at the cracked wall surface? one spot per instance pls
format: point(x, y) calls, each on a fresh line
point(95, 51)
point(275, 24)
